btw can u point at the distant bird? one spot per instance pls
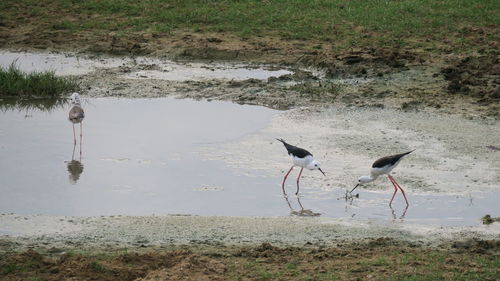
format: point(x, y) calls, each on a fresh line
point(301, 158)
point(76, 114)
point(382, 166)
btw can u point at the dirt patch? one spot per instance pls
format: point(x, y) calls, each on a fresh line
point(368, 260)
point(413, 87)
point(397, 77)
point(475, 76)
point(172, 265)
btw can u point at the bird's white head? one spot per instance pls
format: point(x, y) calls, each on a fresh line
point(362, 180)
point(365, 179)
point(75, 99)
point(315, 165)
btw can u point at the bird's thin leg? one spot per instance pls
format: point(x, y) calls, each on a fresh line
point(74, 135)
point(393, 212)
point(395, 190)
point(404, 213)
point(397, 184)
point(300, 204)
point(73, 154)
point(81, 135)
point(288, 202)
point(284, 180)
point(298, 178)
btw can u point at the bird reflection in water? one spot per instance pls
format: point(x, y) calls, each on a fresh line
point(349, 199)
point(394, 217)
point(303, 212)
point(75, 167)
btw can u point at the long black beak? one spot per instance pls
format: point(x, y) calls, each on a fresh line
point(354, 188)
point(322, 172)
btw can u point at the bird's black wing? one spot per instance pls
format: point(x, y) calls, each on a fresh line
point(295, 151)
point(389, 160)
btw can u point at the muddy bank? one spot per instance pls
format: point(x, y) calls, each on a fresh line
point(458, 85)
point(22, 232)
point(414, 87)
point(367, 260)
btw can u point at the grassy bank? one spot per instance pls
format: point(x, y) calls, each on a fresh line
point(463, 25)
point(15, 83)
point(372, 261)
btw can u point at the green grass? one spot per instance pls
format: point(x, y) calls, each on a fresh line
point(9, 268)
point(35, 90)
point(16, 83)
point(96, 266)
point(345, 24)
point(389, 263)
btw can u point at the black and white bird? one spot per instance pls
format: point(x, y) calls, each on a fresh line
point(383, 166)
point(301, 158)
point(76, 114)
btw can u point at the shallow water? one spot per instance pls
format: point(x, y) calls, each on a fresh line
point(61, 64)
point(146, 156)
point(74, 64)
point(137, 156)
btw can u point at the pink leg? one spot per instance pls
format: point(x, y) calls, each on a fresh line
point(298, 178)
point(283, 184)
point(396, 184)
point(74, 135)
point(395, 190)
point(81, 134)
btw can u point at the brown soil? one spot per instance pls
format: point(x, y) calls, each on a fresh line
point(451, 82)
point(378, 259)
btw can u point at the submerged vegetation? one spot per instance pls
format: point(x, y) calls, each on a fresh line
point(43, 104)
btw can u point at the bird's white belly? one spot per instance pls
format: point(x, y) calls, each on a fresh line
point(384, 170)
point(302, 162)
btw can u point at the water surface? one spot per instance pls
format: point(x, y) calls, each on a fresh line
point(144, 157)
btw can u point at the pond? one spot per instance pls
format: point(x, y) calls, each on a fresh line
point(146, 157)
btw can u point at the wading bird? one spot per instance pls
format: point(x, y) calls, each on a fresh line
point(76, 115)
point(301, 158)
point(382, 166)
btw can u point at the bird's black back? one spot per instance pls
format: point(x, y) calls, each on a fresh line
point(295, 151)
point(389, 160)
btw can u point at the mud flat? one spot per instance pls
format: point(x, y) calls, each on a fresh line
point(23, 232)
point(454, 154)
